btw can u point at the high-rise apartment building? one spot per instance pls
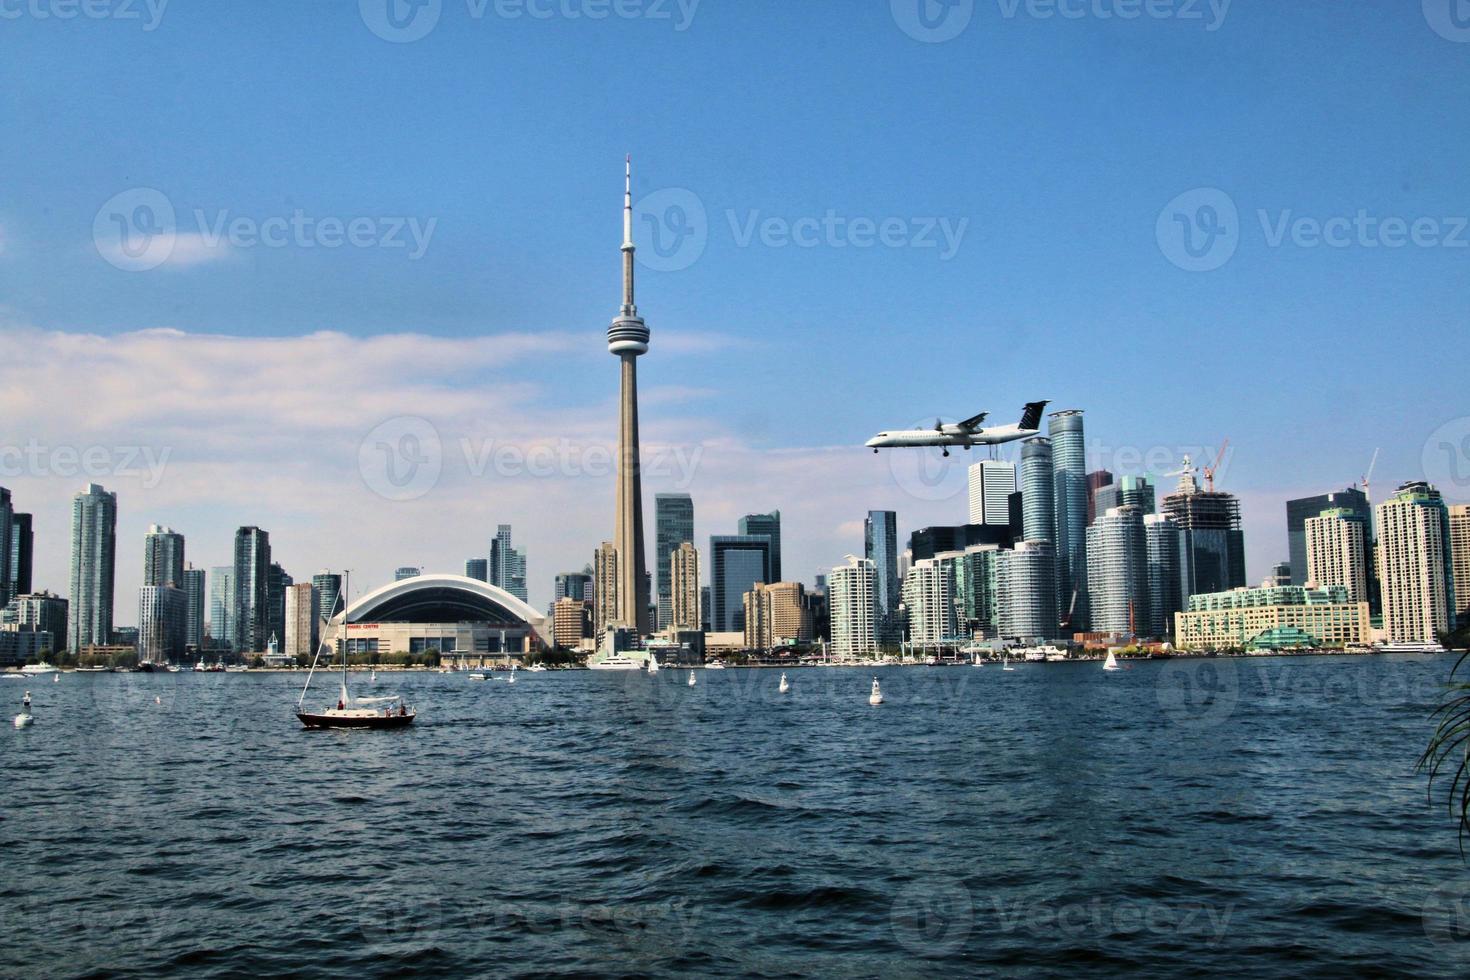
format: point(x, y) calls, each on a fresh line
point(777, 614)
point(767, 526)
point(1096, 480)
point(1460, 560)
point(1337, 552)
point(928, 599)
point(851, 596)
point(1117, 572)
point(162, 614)
point(1038, 491)
point(684, 590)
point(163, 556)
point(673, 519)
point(22, 554)
point(605, 587)
point(301, 624)
point(1165, 597)
point(991, 484)
point(1069, 478)
point(571, 622)
point(1211, 544)
point(93, 567)
point(329, 600)
point(973, 572)
point(477, 569)
point(277, 582)
point(1026, 591)
point(222, 607)
point(196, 600)
point(1352, 500)
point(251, 618)
point(1415, 565)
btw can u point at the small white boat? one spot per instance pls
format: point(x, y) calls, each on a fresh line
point(715, 665)
point(615, 661)
point(479, 676)
point(784, 686)
point(537, 669)
point(876, 697)
point(41, 668)
point(1112, 662)
point(691, 678)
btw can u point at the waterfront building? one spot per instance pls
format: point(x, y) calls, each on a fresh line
point(627, 340)
point(222, 606)
point(43, 612)
point(1337, 552)
point(1298, 511)
point(777, 614)
point(1211, 544)
point(684, 590)
point(477, 569)
point(1026, 591)
point(673, 521)
point(1117, 573)
point(301, 622)
point(163, 556)
point(1161, 539)
point(251, 618)
point(973, 572)
point(22, 554)
point(507, 564)
point(7, 533)
point(571, 622)
point(991, 484)
point(1460, 560)
point(737, 562)
point(880, 546)
point(605, 580)
point(1069, 472)
point(928, 600)
point(1038, 490)
point(1415, 568)
point(767, 526)
point(196, 599)
point(1292, 615)
point(93, 567)
point(446, 617)
point(852, 598)
point(162, 615)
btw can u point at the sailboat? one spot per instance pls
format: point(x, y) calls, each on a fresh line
point(350, 712)
point(1005, 663)
point(512, 678)
point(784, 686)
point(1112, 662)
point(653, 663)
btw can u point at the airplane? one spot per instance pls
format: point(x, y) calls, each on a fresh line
point(967, 433)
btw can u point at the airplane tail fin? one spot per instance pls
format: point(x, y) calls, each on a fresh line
point(1031, 416)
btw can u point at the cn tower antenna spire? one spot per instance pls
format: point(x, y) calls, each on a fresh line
point(630, 308)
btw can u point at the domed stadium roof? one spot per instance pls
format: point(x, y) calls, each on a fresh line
point(443, 599)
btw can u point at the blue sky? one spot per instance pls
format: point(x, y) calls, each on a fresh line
point(1054, 143)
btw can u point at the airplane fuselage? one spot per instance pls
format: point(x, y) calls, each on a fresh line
point(948, 436)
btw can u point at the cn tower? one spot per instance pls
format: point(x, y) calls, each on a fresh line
point(627, 338)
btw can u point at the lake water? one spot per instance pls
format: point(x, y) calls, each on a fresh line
point(1240, 817)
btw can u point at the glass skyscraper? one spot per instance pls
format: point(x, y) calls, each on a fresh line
point(768, 526)
point(251, 617)
point(673, 517)
point(880, 546)
point(737, 561)
point(1297, 511)
point(1161, 538)
point(1038, 513)
point(1069, 469)
point(163, 557)
point(93, 567)
point(222, 606)
point(1117, 573)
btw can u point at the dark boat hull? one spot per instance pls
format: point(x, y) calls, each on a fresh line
point(377, 721)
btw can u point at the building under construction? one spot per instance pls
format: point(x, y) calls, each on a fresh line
point(1211, 544)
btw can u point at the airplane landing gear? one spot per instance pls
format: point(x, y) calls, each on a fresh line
point(946, 452)
point(875, 452)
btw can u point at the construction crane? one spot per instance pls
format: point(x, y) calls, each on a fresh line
point(1368, 478)
point(1210, 470)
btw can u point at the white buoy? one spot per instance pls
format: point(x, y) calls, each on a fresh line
point(784, 686)
point(512, 678)
point(23, 720)
point(691, 678)
point(157, 700)
point(877, 696)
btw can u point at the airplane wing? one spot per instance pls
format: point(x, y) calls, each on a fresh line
point(974, 421)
